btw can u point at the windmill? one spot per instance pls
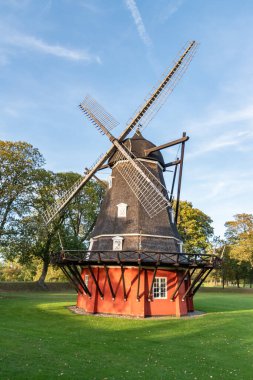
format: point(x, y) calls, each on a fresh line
point(135, 252)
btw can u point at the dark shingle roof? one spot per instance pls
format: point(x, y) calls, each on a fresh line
point(137, 145)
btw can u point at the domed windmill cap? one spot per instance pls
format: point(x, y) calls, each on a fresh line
point(137, 145)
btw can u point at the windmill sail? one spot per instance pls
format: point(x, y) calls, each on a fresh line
point(146, 187)
point(60, 203)
point(159, 95)
point(169, 82)
point(97, 114)
point(141, 181)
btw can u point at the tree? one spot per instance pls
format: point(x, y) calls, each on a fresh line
point(239, 258)
point(32, 239)
point(239, 235)
point(80, 216)
point(14, 271)
point(18, 164)
point(194, 227)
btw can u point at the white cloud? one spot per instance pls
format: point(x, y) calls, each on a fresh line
point(227, 187)
point(224, 117)
point(89, 6)
point(33, 43)
point(131, 4)
point(221, 130)
point(171, 8)
point(234, 139)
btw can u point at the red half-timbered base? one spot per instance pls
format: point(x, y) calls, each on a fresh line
point(133, 294)
point(135, 284)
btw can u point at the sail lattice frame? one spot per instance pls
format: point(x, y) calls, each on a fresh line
point(97, 114)
point(170, 79)
point(146, 187)
point(52, 210)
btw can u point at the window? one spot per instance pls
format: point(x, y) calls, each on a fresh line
point(110, 182)
point(86, 280)
point(181, 246)
point(160, 288)
point(172, 215)
point(122, 207)
point(117, 243)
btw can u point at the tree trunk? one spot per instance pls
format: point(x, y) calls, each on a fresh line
point(5, 215)
point(250, 278)
point(41, 280)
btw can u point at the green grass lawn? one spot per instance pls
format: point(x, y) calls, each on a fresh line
point(41, 339)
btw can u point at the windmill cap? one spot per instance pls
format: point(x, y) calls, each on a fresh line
point(137, 145)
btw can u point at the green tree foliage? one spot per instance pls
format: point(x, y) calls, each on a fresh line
point(238, 258)
point(32, 239)
point(194, 227)
point(14, 271)
point(239, 235)
point(18, 164)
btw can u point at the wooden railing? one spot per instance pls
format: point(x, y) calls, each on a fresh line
point(135, 258)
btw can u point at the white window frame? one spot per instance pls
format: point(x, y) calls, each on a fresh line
point(91, 244)
point(110, 181)
point(181, 246)
point(160, 288)
point(86, 280)
point(122, 210)
point(172, 215)
point(117, 243)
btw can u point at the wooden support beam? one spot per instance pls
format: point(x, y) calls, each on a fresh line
point(180, 178)
point(199, 275)
point(179, 284)
point(191, 274)
point(172, 163)
point(105, 166)
point(201, 281)
point(109, 282)
point(178, 257)
point(102, 183)
point(79, 276)
point(73, 275)
point(151, 287)
point(123, 282)
point(96, 283)
point(173, 183)
point(76, 274)
point(138, 285)
point(167, 145)
point(70, 279)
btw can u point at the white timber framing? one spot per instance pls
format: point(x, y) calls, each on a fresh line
point(137, 235)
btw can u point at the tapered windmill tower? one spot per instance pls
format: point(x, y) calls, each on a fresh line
point(135, 264)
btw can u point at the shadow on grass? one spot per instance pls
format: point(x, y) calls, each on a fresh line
point(43, 339)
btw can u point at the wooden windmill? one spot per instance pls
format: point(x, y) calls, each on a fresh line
point(135, 264)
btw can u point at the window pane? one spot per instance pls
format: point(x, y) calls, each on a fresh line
point(156, 288)
point(160, 287)
point(163, 288)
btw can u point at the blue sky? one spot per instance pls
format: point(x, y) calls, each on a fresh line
point(52, 53)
